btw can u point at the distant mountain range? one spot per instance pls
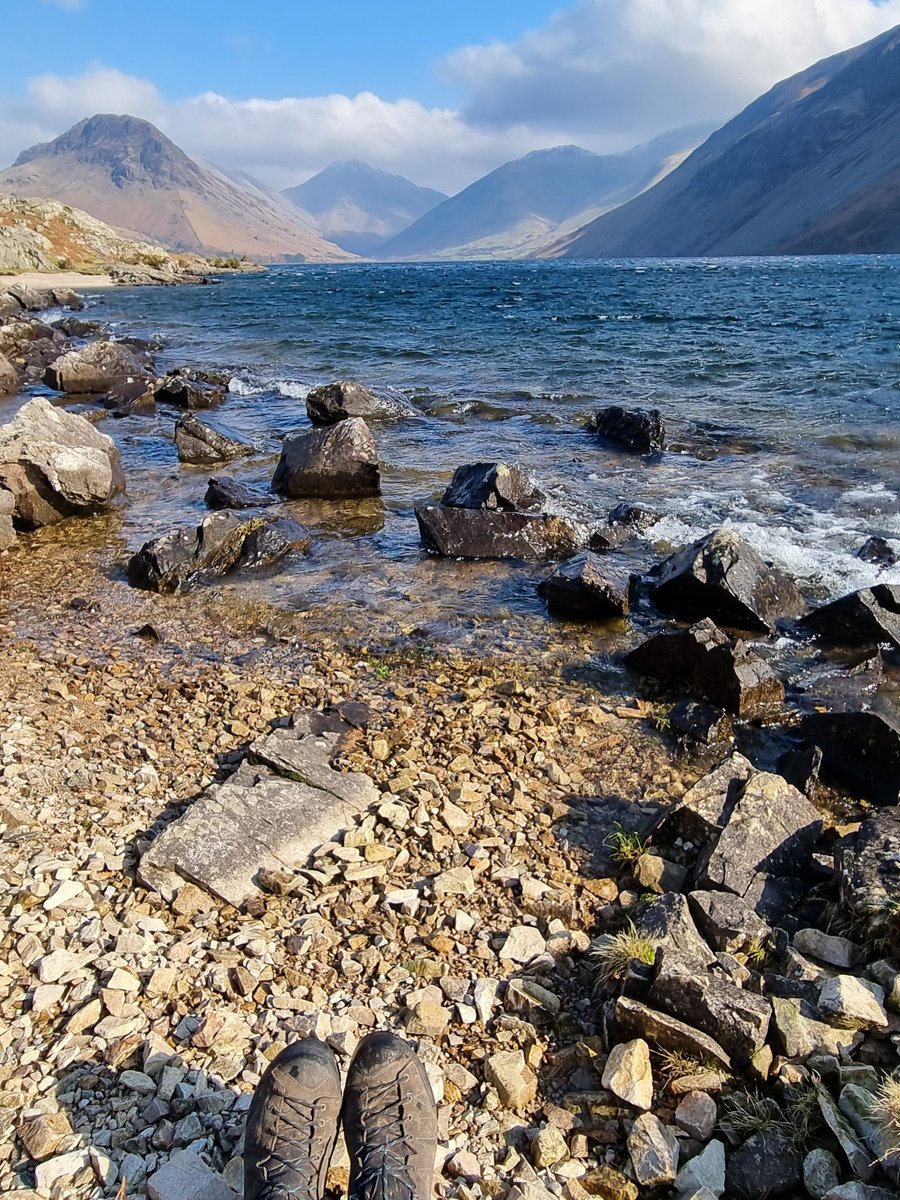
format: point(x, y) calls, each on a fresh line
point(521, 206)
point(360, 208)
point(123, 171)
point(812, 167)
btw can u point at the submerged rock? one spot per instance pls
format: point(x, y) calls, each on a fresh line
point(339, 462)
point(222, 492)
point(198, 443)
point(705, 662)
point(481, 533)
point(721, 576)
point(877, 550)
point(96, 368)
point(341, 400)
point(867, 617)
point(860, 750)
point(57, 465)
point(640, 431)
point(588, 587)
point(493, 486)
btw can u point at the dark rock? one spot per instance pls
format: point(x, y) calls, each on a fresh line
point(339, 462)
point(764, 1166)
point(726, 922)
point(339, 401)
point(877, 550)
point(704, 661)
point(634, 1019)
point(860, 750)
point(640, 431)
point(80, 328)
point(56, 465)
point(96, 368)
point(632, 518)
point(800, 766)
point(130, 397)
point(480, 533)
point(868, 617)
point(228, 493)
point(355, 712)
point(190, 389)
point(668, 921)
point(703, 722)
point(587, 587)
point(868, 864)
point(37, 299)
point(703, 811)
point(738, 1020)
point(268, 543)
point(493, 486)
point(721, 576)
point(197, 442)
point(30, 346)
point(771, 832)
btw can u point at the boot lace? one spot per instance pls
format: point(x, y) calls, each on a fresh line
point(386, 1150)
point(298, 1148)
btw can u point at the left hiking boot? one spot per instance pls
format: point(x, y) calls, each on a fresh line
point(292, 1125)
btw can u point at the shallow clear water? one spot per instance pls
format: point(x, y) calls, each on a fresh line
point(779, 382)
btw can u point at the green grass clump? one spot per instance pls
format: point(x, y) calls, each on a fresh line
point(624, 845)
point(623, 948)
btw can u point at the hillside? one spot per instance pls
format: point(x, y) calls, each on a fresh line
point(812, 167)
point(360, 208)
point(518, 207)
point(123, 171)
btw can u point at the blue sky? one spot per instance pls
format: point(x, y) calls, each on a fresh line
point(439, 92)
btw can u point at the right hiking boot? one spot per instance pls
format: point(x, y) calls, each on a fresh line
point(390, 1122)
point(292, 1125)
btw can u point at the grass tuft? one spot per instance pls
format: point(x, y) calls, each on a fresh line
point(621, 949)
point(886, 1112)
point(625, 846)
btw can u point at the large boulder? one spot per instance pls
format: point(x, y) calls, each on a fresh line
point(341, 400)
point(868, 864)
point(221, 543)
point(9, 377)
point(198, 443)
point(190, 389)
point(96, 368)
point(705, 662)
point(338, 462)
point(481, 533)
point(492, 485)
point(38, 299)
point(721, 576)
point(57, 465)
point(860, 750)
point(638, 430)
point(223, 492)
point(587, 587)
point(868, 617)
point(30, 346)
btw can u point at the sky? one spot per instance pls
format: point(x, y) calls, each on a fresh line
point(440, 93)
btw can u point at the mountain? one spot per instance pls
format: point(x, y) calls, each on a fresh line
point(359, 207)
point(812, 167)
point(519, 206)
point(123, 171)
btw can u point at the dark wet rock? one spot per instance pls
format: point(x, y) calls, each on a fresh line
point(702, 722)
point(705, 661)
point(868, 864)
point(129, 397)
point(721, 576)
point(222, 492)
point(339, 462)
point(737, 1019)
point(668, 921)
point(769, 836)
point(480, 533)
point(341, 400)
point(493, 486)
point(640, 431)
point(78, 327)
point(9, 377)
point(726, 922)
point(268, 543)
point(634, 1019)
point(95, 368)
point(865, 618)
point(703, 811)
point(800, 766)
point(587, 587)
point(764, 1166)
point(860, 750)
point(877, 550)
point(30, 345)
point(199, 443)
point(189, 389)
point(632, 517)
point(57, 465)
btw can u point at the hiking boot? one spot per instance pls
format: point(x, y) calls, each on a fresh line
point(292, 1125)
point(390, 1122)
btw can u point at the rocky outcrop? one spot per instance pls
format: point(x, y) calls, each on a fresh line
point(588, 587)
point(860, 750)
point(722, 577)
point(703, 661)
point(481, 533)
point(493, 486)
point(96, 368)
point(219, 544)
point(340, 462)
point(57, 465)
point(198, 443)
point(191, 389)
point(338, 401)
point(638, 430)
point(868, 617)
point(30, 345)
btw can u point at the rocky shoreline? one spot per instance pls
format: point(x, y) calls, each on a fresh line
point(643, 948)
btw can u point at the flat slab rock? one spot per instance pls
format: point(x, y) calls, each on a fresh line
point(281, 803)
point(482, 533)
point(634, 1019)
